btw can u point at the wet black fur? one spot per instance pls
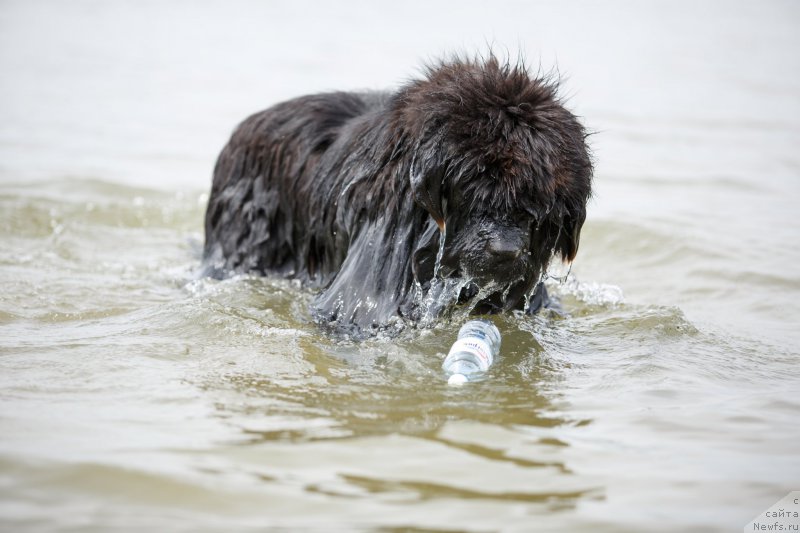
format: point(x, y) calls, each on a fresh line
point(350, 193)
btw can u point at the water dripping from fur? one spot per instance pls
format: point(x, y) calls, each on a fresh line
point(440, 254)
point(443, 294)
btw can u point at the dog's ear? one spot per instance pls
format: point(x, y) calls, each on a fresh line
point(569, 235)
point(426, 184)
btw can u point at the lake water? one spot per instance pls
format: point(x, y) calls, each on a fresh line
point(134, 395)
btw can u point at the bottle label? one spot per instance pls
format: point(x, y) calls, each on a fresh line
point(477, 346)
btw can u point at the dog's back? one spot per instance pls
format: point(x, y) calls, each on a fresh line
point(260, 207)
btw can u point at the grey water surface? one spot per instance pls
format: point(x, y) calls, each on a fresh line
point(135, 395)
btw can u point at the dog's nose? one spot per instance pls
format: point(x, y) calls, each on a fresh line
point(505, 250)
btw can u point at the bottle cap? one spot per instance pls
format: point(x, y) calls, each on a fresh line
point(457, 379)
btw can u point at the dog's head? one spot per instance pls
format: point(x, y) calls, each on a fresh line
point(503, 170)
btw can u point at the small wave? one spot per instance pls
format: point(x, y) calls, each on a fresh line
point(43, 208)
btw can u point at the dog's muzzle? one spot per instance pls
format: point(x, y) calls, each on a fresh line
point(501, 258)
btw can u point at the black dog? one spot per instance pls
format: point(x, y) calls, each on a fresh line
point(459, 186)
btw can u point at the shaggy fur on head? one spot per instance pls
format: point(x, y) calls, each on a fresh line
point(466, 181)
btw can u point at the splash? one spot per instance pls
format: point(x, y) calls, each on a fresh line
point(591, 293)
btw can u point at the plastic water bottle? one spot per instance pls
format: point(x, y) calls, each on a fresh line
point(474, 352)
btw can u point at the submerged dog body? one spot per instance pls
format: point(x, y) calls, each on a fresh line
point(476, 173)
